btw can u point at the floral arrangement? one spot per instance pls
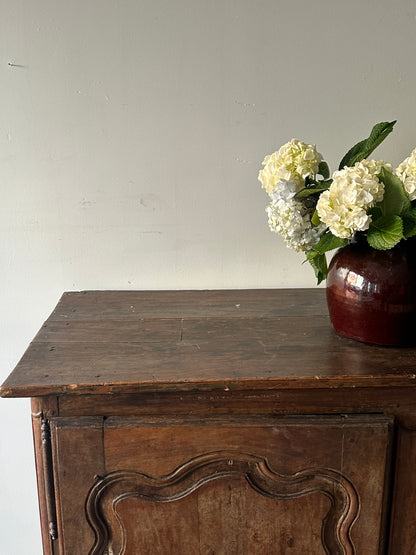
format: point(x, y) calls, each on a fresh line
point(316, 213)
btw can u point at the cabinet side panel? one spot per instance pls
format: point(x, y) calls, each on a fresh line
point(403, 521)
point(78, 460)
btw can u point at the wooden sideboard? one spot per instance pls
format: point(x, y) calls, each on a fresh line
point(218, 422)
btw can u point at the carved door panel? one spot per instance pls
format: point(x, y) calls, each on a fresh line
point(229, 487)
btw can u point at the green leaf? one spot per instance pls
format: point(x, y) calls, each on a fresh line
point(395, 200)
point(328, 242)
point(365, 147)
point(409, 223)
point(319, 266)
point(308, 191)
point(318, 188)
point(315, 218)
point(316, 255)
point(323, 169)
point(385, 233)
point(375, 213)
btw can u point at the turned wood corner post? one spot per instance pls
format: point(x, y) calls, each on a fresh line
point(41, 414)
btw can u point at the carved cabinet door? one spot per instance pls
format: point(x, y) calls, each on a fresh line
point(223, 486)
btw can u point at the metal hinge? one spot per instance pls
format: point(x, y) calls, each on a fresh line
point(48, 478)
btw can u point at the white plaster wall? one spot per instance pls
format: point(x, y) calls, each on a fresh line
point(131, 136)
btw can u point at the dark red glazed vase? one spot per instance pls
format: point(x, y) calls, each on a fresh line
point(371, 294)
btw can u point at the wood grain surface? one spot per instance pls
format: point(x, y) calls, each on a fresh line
point(132, 341)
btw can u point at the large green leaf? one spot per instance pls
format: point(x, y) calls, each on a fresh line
point(395, 200)
point(365, 147)
point(319, 266)
point(409, 223)
point(386, 232)
point(328, 242)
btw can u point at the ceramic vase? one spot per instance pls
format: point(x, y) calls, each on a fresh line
point(371, 293)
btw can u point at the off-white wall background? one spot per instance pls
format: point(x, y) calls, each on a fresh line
point(131, 135)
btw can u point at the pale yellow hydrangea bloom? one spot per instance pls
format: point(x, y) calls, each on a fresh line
point(407, 173)
point(343, 207)
point(294, 161)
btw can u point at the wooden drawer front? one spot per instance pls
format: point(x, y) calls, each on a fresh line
point(242, 486)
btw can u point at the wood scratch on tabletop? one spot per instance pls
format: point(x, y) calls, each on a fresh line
point(189, 344)
point(266, 350)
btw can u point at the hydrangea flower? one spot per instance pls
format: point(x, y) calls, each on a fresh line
point(316, 214)
point(293, 162)
point(291, 218)
point(343, 207)
point(407, 173)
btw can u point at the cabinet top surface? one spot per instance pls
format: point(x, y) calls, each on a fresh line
point(131, 341)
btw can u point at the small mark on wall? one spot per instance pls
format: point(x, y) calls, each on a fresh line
point(12, 64)
point(245, 104)
point(242, 161)
point(85, 203)
point(150, 201)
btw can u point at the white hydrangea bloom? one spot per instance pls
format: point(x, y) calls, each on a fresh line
point(343, 207)
point(294, 161)
point(407, 173)
point(291, 219)
point(284, 190)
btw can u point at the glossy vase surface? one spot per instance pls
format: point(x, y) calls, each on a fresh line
point(371, 294)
